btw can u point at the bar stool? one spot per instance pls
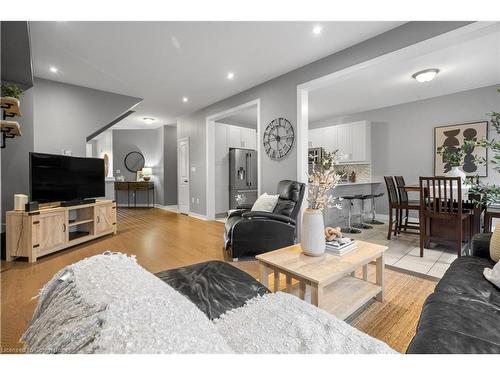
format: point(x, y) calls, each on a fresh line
point(374, 221)
point(349, 228)
point(362, 224)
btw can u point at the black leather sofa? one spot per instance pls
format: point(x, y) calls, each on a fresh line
point(249, 232)
point(463, 314)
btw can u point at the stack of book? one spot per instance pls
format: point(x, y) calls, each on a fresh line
point(340, 246)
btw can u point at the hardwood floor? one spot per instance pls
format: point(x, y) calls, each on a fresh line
point(163, 240)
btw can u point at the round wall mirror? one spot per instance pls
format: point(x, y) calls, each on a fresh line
point(134, 161)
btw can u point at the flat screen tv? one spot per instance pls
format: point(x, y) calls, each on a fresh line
point(55, 178)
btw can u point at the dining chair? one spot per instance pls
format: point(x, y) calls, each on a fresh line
point(392, 197)
point(442, 216)
point(408, 205)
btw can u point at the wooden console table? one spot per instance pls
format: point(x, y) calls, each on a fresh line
point(135, 186)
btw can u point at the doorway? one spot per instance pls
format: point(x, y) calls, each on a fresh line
point(233, 142)
point(183, 175)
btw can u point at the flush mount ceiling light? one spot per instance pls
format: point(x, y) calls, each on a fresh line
point(185, 99)
point(230, 75)
point(148, 120)
point(317, 30)
point(426, 75)
point(53, 69)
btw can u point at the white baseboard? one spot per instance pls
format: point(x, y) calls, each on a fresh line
point(139, 205)
point(198, 216)
point(172, 208)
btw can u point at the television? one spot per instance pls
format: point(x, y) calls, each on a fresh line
point(55, 178)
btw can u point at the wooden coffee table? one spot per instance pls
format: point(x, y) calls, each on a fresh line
point(331, 279)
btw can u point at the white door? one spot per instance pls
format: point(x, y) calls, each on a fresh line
point(183, 174)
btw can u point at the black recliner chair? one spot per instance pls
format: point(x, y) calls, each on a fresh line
point(255, 232)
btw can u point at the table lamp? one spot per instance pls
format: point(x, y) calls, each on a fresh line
point(146, 173)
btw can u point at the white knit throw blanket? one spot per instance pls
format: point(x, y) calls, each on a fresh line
point(109, 304)
point(281, 323)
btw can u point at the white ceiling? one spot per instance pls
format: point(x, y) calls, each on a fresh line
point(246, 117)
point(165, 61)
point(470, 61)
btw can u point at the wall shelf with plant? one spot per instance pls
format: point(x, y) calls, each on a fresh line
point(10, 105)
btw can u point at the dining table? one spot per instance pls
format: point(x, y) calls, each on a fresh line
point(467, 199)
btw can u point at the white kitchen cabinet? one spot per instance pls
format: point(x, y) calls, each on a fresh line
point(353, 141)
point(360, 141)
point(330, 139)
point(316, 137)
point(239, 137)
point(234, 136)
point(344, 143)
point(248, 138)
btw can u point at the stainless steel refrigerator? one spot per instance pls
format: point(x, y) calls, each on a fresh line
point(242, 176)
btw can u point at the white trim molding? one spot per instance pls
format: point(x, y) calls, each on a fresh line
point(198, 216)
point(173, 208)
point(210, 153)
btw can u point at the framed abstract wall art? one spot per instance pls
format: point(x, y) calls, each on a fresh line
point(452, 137)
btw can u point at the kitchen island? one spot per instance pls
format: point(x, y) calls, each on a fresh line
point(338, 217)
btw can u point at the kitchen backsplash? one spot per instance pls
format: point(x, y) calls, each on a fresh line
point(363, 171)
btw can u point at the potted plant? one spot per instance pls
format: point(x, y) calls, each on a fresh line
point(453, 157)
point(322, 179)
point(11, 91)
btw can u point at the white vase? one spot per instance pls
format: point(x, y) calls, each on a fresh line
point(313, 233)
point(456, 172)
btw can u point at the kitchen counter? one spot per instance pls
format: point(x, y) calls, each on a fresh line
point(358, 183)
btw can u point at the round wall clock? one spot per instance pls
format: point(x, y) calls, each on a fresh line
point(278, 138)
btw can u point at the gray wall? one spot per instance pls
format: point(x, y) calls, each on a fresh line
point(403, 135)
point(55, 116)
point(170, 165)
point(148, 142)
point(67, 114)
point(279, 99)
point(15, 156)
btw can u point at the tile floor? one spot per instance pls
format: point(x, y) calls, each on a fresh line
point(404, 252)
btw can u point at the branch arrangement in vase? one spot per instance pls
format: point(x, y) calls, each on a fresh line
point(323, 178)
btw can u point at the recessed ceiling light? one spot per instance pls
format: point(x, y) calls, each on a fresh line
point(185, 99)
point(230, 75)
point(317, 30)
point(426, 75)
point(148, 120)
point(53, 69)
point(175, 42)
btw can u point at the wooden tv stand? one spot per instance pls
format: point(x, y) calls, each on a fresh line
point(38, 233)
